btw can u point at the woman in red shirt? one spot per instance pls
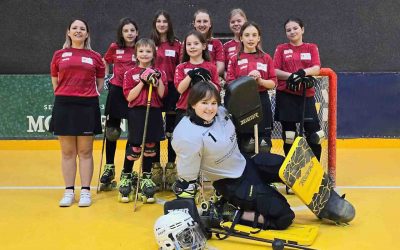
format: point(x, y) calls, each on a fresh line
point(77, 76)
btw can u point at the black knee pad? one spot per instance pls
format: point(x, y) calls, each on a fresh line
point(150, 149)
point(113, 133)
point(133, 152)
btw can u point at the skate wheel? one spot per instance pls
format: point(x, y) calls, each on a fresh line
point(204, 206)
point(151, 200)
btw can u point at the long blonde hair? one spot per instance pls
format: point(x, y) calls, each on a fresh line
point(68, 42)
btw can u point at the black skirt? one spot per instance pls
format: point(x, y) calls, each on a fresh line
point(76, 116)
point(169, 101)
point(289, 108)
point(116, 104)
point(155, 125)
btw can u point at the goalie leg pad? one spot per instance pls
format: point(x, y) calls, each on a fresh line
point(150, 149)
point(133, 152)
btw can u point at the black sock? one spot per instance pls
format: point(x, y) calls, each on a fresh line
point(71, 187)
point(87, 188)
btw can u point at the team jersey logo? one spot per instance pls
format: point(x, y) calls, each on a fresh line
point(66, 54)
point(136, 77)
point(262, 66)
point(133, 58)
point(288, 51)
point(230, 49)
point(305, 56)
point(170, 53)
point(243, 61)
point(119, 51)
point(87, 60)
point(210, 47)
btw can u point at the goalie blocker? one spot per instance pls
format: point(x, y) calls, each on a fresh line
point(243, 103)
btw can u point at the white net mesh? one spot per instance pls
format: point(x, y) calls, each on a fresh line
point(322, 105)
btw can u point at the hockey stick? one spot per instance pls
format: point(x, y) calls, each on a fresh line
point(249, 237)
point(143, 143)
point(101, 157)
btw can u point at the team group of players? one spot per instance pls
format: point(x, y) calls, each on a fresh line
point(171, 68)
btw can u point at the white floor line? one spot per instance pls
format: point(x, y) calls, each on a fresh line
point(95, 187)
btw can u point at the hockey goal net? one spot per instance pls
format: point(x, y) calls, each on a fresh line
point(325, 97)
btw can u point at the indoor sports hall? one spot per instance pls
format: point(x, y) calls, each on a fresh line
point(357, 101)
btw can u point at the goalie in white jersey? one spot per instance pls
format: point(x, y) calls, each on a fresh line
point(205, 140)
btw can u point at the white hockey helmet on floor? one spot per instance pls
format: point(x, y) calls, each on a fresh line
point(177, 231)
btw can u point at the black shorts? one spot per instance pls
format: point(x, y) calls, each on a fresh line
point(116, 104)
point(155, 125)
point(169, 101)
point(289, 108)
point(76, 116)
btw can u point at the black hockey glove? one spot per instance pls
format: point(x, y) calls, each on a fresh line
point(295, 79)
point(198, 75)
point(309, 82)
point(184, 190)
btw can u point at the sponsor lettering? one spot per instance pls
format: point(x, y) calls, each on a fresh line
point(248, 119)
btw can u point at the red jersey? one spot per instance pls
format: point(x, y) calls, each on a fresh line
point(291, 58)
point(131, 79)
point(168, 57)
point(249, 62)
point(230, 49)
point(181, 72)
point(216, 50)
point(77, 70)
point(123, 59)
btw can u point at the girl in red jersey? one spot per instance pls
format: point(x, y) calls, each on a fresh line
point(136, 88)
point(77, 75)
point(236, 21)
point(295, 63)
point(252, 61)
point(168, 55)
point(121, 55)
point(202, 23)
point(195, 66)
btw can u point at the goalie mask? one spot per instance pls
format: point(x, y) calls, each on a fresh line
point(177, 230)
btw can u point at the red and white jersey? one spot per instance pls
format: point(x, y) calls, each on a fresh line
point(122, 59)
point(132, 79)
point(230, 49)
point(291, 58)
point(77, 70)
point(181, 73)
point(249, 62)
point(216, 50)
point(168, 57)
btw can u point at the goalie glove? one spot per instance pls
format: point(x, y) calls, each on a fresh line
point(199, 74)
point(309, 82)
point(184, 190)
point(294, 81)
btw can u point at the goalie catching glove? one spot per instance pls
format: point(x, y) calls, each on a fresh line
point(184, 189)
point(294, 81)
point(198, 75)
point(150, 76)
